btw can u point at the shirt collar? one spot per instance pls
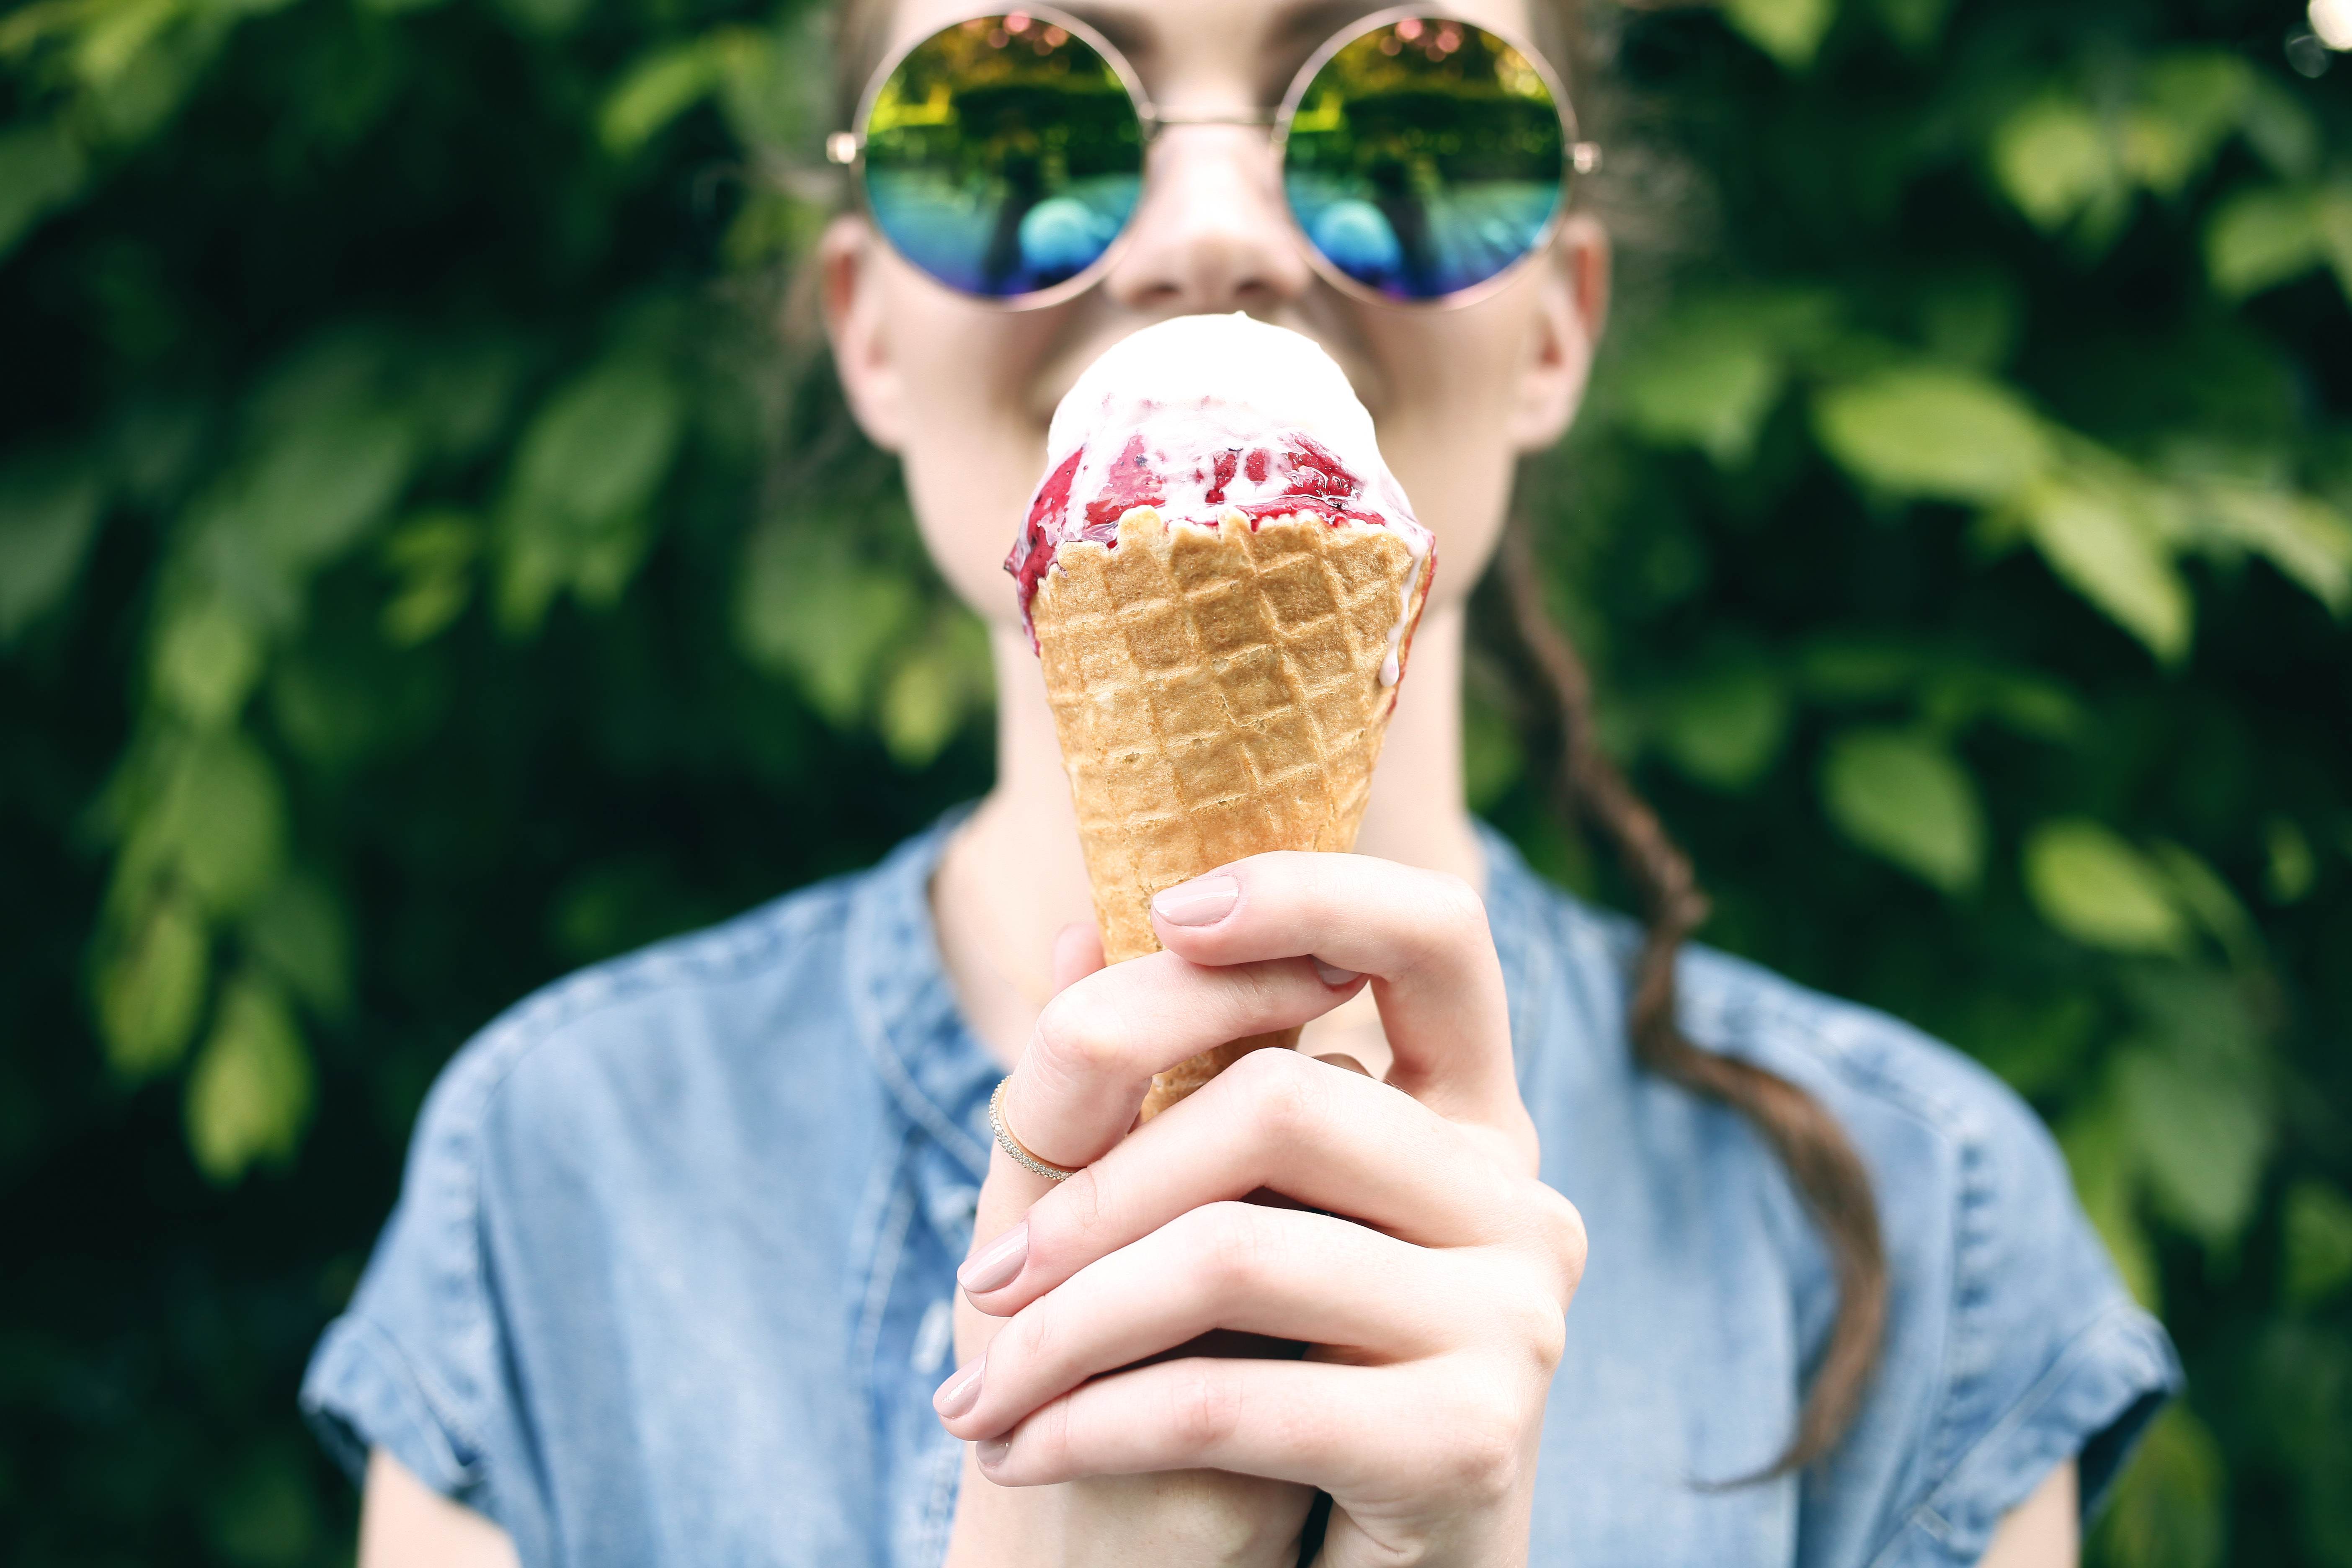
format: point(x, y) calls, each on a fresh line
point(934, 1068)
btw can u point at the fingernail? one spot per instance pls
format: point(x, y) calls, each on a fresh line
point(993, 1451)
point(992, 1267)
point(1334, 975)
point(1202, 901)
point(959, 1393)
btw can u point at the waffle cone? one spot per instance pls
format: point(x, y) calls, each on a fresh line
point(1218, 694)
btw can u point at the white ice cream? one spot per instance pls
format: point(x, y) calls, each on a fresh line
point(1202, 417)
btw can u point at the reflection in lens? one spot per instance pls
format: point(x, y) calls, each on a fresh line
point(1425, 157)
point(1356, 238)
point(1002, 156)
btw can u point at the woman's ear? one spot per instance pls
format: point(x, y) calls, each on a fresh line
point(1571, 308)
point(850, 270)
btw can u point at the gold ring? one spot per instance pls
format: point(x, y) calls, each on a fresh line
point(1011, 1145)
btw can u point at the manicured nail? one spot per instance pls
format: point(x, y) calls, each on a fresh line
point(1202, 901)
point(993, 1451)
point(1333, 975)
point(993, 1266)
point(959, 1393)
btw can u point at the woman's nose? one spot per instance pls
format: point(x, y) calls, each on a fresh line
point(1213, 232)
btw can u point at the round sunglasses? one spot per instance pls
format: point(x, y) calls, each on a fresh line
point(1423, 158)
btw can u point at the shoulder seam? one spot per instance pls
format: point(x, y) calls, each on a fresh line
point(452, 1206)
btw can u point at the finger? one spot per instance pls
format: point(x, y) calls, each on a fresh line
point(1345, 1063)
point(1011, 1188)
point(1078, 1085)
point(1422, 936)
point(1078, 952)
point(1327, 1138)
point(1294, 1421)
point(1231, 1266)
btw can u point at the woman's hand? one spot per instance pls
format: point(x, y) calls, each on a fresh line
point(1430, 1291)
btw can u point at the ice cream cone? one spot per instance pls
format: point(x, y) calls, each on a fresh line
point(1219, 691)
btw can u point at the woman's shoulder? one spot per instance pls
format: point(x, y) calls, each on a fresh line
point(2011, 1340)
point(1889, 1080)
point(673, 1116)
point(706, 988)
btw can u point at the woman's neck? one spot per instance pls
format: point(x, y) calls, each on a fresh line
point(1014, 877)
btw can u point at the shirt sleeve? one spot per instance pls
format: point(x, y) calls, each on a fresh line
point(2020, 1346)
point(415, 1365)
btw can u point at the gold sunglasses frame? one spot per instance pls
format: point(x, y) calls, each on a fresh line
point(847, 148)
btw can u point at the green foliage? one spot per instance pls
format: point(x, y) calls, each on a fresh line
point(422, 569)
point(1960, 535)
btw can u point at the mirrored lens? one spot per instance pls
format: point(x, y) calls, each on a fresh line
point(1002, 156)
point(1425, 157)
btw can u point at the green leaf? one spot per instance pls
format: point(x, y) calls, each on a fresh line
point(1850, 666)
point(2027, 705)
point(151, 988)
point(2309, 542)
point(2168, 1508)
point(932, 690)
point(2260, 238)
point(2053, 160)
point(2200, 890)
point(2278, 127)
point(139, 61)
point(2201, 1138)
point(2100, 891)
point(808, 609)
point(2317, 1236)
point(2106, 544)
point(1790, 31)
point(434, 554)
point(773, 103)
point(1942, 434)
point(667, 82)
point(463, 392)
point(1916, 26)
point(218, 820)
point(1706, 380)
point(2292, 867)
point(49, 511)
point(41, 169)
point(599, 447)
point(2188, 104)
point(1906, 799)
point(318, 488)
point(206, 661)
point(584, 473)
point(2102, 1158)
point(297, 933)
point(1725, 727)
point(249, 1095)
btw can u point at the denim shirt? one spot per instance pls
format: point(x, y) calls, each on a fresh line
point(669, 1278)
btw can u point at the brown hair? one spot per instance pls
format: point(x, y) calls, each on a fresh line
point(1802, 1133)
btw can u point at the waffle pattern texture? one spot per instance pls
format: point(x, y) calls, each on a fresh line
point(1217, 694)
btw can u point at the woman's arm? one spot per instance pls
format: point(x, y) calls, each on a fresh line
point(404, 1521)
point(2044, 1530)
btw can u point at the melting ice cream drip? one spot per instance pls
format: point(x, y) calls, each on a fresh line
point(1205, 416)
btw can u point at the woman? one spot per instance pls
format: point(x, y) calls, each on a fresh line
point(674, 1276)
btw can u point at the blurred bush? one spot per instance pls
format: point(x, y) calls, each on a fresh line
point(422, 569)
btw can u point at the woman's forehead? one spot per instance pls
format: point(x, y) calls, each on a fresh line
point(1249, 35)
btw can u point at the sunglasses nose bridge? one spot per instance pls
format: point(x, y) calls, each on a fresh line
point(1212, 231)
